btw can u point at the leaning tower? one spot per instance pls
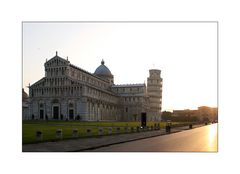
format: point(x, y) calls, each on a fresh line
point(154, 90)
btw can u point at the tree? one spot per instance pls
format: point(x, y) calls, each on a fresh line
point(166, 115)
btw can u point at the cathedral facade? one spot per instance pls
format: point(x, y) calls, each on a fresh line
point(68, 92)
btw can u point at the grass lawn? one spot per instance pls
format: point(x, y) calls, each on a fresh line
point(48, 128)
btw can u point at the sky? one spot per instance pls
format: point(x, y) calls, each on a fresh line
point(186, 54)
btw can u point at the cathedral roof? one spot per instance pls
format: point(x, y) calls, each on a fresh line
point(102, 70)
point(129, 85)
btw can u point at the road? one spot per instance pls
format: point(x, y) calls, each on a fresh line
point(202, 139)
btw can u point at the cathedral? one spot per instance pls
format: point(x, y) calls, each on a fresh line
point(68, 92)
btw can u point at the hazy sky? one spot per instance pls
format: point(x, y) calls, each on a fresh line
point(186, 53)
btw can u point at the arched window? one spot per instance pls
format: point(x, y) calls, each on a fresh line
point(70, 105)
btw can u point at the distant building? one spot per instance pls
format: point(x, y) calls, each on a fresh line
point(185, 112)
point(202, 113)
point(208, 113)
point(69, 92)
point(25, 108)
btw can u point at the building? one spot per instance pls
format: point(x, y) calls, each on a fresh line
point(25, 108)
point(185, 112)
point(203, 113)
point(68, 92)
point(208, 113)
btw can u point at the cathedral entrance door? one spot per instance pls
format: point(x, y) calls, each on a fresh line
point(71, 114)
point(143, 119)
point(55, 112)
point(41, 113)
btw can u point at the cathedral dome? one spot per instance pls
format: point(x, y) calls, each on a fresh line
point(102, 70)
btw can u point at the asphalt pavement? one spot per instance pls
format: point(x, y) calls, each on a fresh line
point(201, 139)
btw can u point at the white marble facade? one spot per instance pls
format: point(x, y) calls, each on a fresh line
point(69, 92)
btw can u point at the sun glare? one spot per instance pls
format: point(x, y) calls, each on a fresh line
point(212, 133)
